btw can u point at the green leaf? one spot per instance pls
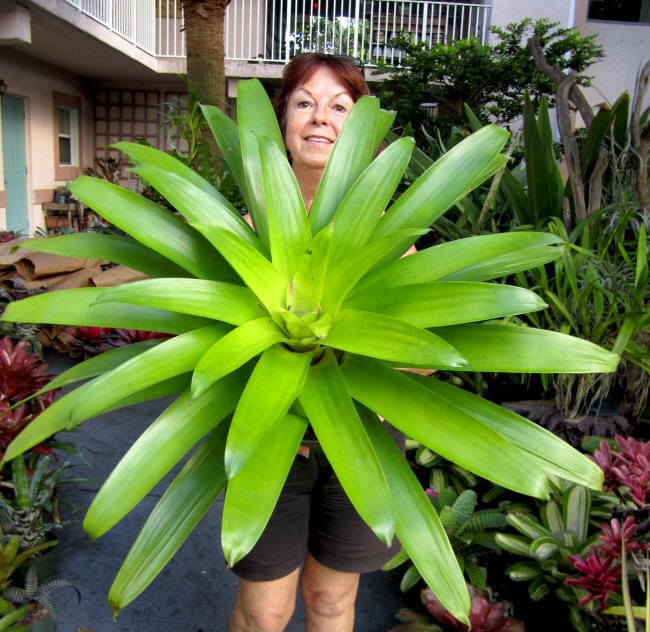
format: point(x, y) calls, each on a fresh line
point(448, 303)
point(417, 525)
point(113, 248)
point(576, 506)
point(545, 187)
point(385, 120)
point(347, 273)
point(289, 232)
point(388, 338)
point(169, 358)
point(234, 349)
point(144, 154)
point(67, 307)
point(335, 421)
point(516, 544)
point(225, 131)
point(57, 417)
point(410, 578)
point(306, 288)
point(638, 611)
point(447, 430)
point(152, 225)
point(229, 303)
point(517, 195)
point(351, 154)
point(471, 259)
point(371, 192)
point(99, 364)
point(170, 437)
point(524, 571)
point(527, 525)
point(15, 616)
point(258, 273)
point(256, 119)
point(544, 547)
point(447, 181)
point(556, 456)
point(180, 509)
point(172, 386)
point(253, 493)
point(197, 206)
point(272, 388)
point(529, 350)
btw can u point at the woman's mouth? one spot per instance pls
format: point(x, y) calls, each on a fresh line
point(319, 139)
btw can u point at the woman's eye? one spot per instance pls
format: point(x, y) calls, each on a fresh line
point(302, 104)
point(341, 109)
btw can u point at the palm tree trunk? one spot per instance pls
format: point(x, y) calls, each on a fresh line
point(205, 50)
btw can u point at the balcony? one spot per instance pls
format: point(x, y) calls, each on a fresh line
point(272, 31)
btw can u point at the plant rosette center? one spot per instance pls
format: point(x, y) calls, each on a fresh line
point(304, 332)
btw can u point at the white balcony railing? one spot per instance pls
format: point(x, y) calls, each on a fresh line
point(134, 20)
point(275, 30)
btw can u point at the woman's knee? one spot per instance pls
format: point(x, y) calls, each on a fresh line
point(264, 606)
point(328, 593)
point(261, 619)
point(326, 603)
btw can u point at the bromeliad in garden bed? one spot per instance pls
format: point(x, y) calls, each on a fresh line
point(304, 320)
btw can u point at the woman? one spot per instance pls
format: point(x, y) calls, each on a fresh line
point(314, 525)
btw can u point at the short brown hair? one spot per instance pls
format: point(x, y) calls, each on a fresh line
point(303, 66)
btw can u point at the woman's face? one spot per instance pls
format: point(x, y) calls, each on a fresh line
point(315, 113)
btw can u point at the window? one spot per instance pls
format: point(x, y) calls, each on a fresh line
point(67, 136)
point(620, 10)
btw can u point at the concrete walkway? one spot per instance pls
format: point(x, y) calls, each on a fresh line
point(195, 592)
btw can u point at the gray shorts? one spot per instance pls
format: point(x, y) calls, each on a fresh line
point(314, 515)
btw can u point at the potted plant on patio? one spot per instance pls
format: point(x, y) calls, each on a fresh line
point(305, 319)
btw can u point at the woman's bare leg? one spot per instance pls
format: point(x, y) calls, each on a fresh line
point(264, 606)
point(329, 597)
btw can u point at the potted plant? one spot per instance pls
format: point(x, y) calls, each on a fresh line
point(304, 318)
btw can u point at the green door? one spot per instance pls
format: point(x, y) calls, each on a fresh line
point(15, 164)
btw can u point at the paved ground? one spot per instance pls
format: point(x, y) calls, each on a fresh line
point(196, 591)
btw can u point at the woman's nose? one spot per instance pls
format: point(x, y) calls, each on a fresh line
point(320, 115)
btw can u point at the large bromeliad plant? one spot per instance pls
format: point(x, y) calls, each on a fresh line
point(306, 319)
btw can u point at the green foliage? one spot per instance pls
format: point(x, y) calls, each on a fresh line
point(275, 332)
point(548, 534)
point(469, 530)
point(491, 79)
point(442, 473)
point(29, 508)
point(599, 290)
point(188, 140)
point(33, 593)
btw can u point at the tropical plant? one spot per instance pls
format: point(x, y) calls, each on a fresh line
point(12, 558)
point(627, 470)
point(441, 472)
point(561, 530)
point(304, 320)
point(485, 615)
point(33, 593)
point(12, 619)
point(599, 290)
point(29, 508)
point(469, 530)
point(22, 374)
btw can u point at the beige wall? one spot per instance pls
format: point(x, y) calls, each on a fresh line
point(36, 81)
point(506, 11)
point(627, 49)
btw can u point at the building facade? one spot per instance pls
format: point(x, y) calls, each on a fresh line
point(78, 75)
